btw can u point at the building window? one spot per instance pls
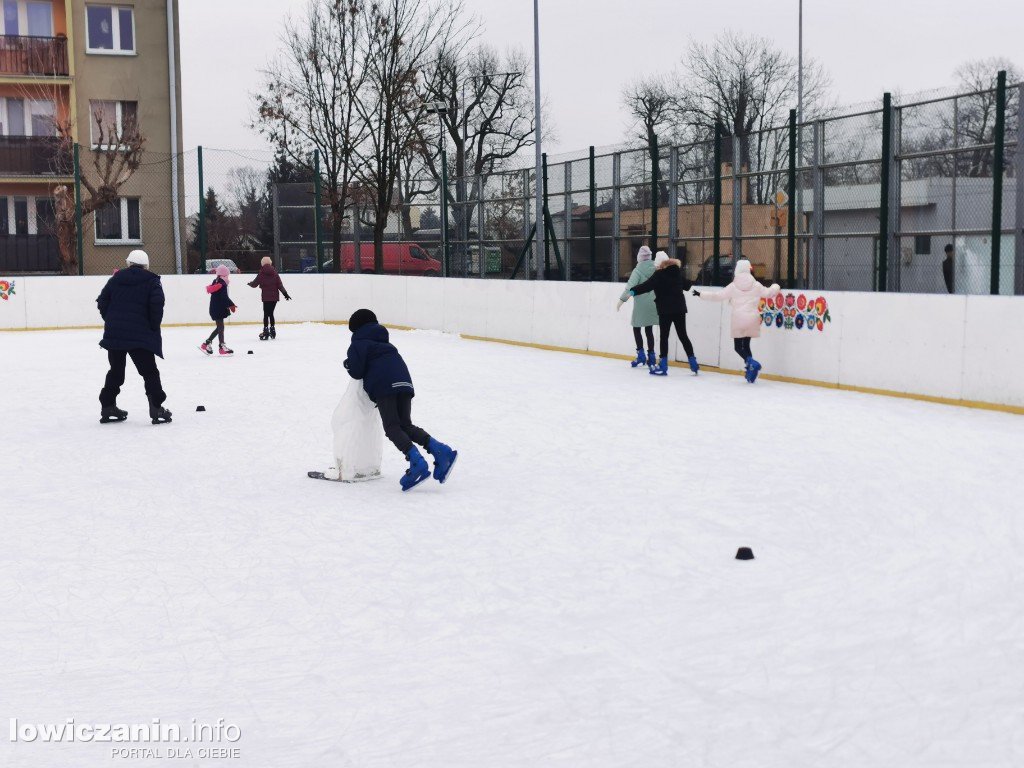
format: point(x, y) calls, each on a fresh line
point(27, 17)
point(4, 226)
point(922, 245)
point(111, 29)
point(119, 222)
point(113, 118)
point(20, 206)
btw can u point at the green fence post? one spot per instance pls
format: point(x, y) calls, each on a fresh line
point(791, 209)
point(445, 260)
point(202, 216)
point(541, 224)
point(78, 210)
point(318, 228)
point(882, 278)
point(593, 214)
point(654, 193)
point(998, 159)
point(718, 205)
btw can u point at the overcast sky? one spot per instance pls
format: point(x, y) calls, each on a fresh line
point(590, 49)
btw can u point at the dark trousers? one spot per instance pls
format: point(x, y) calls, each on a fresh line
point(396, 415)
point(742, 347)
point(268, 313)
point(666, 322)
point(218, 331)
point(649, 330)
point(145, 364)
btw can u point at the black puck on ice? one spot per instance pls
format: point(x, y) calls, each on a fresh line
point(200, 408)
point(744, 553)
point(250, 351)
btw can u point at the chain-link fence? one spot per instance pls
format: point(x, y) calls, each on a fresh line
point(899, 196)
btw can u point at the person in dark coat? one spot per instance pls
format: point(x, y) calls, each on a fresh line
point(132, 307)
point(271, 288)
point(669, 284)
point(221, 307)
point(947, 268)
point(373, 359)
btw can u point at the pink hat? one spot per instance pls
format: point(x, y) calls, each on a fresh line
point(223, 272)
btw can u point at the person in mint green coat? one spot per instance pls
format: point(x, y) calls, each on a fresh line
point(645, 313)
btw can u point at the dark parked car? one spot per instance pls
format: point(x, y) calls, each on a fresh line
point(726, 269)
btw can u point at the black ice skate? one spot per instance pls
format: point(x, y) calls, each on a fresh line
point(265, 335)
point(273, 332)
point(112, 413)
point(159, 414)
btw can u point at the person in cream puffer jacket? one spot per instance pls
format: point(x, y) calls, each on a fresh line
point(745, 294)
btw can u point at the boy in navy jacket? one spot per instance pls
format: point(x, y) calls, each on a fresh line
point(385, 376)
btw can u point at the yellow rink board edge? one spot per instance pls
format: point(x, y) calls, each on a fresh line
point(978, 404)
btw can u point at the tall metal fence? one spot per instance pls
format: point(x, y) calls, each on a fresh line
point(914, 195)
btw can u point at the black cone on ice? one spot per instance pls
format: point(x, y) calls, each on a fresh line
point(200, 408)
point(744, 553)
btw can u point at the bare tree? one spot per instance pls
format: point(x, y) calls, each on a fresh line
point(247, 203)
point(745, 86)
point(311, 94)
point(116, 155)
point(976, 112)
point(401, 35)
point(113, 155)
point(653, 105)
point(489, 121)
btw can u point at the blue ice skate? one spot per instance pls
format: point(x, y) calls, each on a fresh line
point(417, 472)
point(661, 369)
point(444, 459)
point(693, 364)
point(640, 359)
point(753, 367)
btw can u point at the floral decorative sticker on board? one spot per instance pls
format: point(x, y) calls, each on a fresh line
point(791, 311)
point(6, 289)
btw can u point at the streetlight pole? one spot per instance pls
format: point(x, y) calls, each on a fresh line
point(539, 203)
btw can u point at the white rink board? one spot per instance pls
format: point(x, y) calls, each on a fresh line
point(953, 347)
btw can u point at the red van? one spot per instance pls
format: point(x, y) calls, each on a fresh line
point(399, 259)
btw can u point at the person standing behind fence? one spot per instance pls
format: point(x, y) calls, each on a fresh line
point(645, 313)
point(132, 307)
point(271, 288)
point(221, 307)
point(745, 294)
point(947, 267)
point(668, 285)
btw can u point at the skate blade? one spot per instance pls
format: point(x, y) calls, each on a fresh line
point(417, 482)
point(161, 421)
point(108, 419)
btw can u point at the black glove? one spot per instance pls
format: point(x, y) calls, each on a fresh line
point(287, 297)
point(346, 365)
point(696, 292)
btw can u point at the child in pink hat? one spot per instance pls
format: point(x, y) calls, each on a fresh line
point(221, 307)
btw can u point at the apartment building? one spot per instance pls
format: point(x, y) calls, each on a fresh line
point(72, 71)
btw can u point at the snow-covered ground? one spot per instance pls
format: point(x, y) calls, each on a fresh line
point(569, 598)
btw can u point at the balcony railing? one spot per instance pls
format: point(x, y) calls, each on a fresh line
point(28, 253)
point(45, 56)
point(33, 156)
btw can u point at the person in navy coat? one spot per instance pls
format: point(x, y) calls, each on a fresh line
point(132, 307)
point(373, 359)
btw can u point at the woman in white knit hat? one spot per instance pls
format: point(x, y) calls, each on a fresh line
point(645, 313)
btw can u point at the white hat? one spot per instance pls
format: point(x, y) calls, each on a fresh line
point(644, 254)
point(138, 257)
point(660, 257)
point(742, 267)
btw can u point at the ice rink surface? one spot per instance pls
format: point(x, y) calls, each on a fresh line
point(569, 598)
